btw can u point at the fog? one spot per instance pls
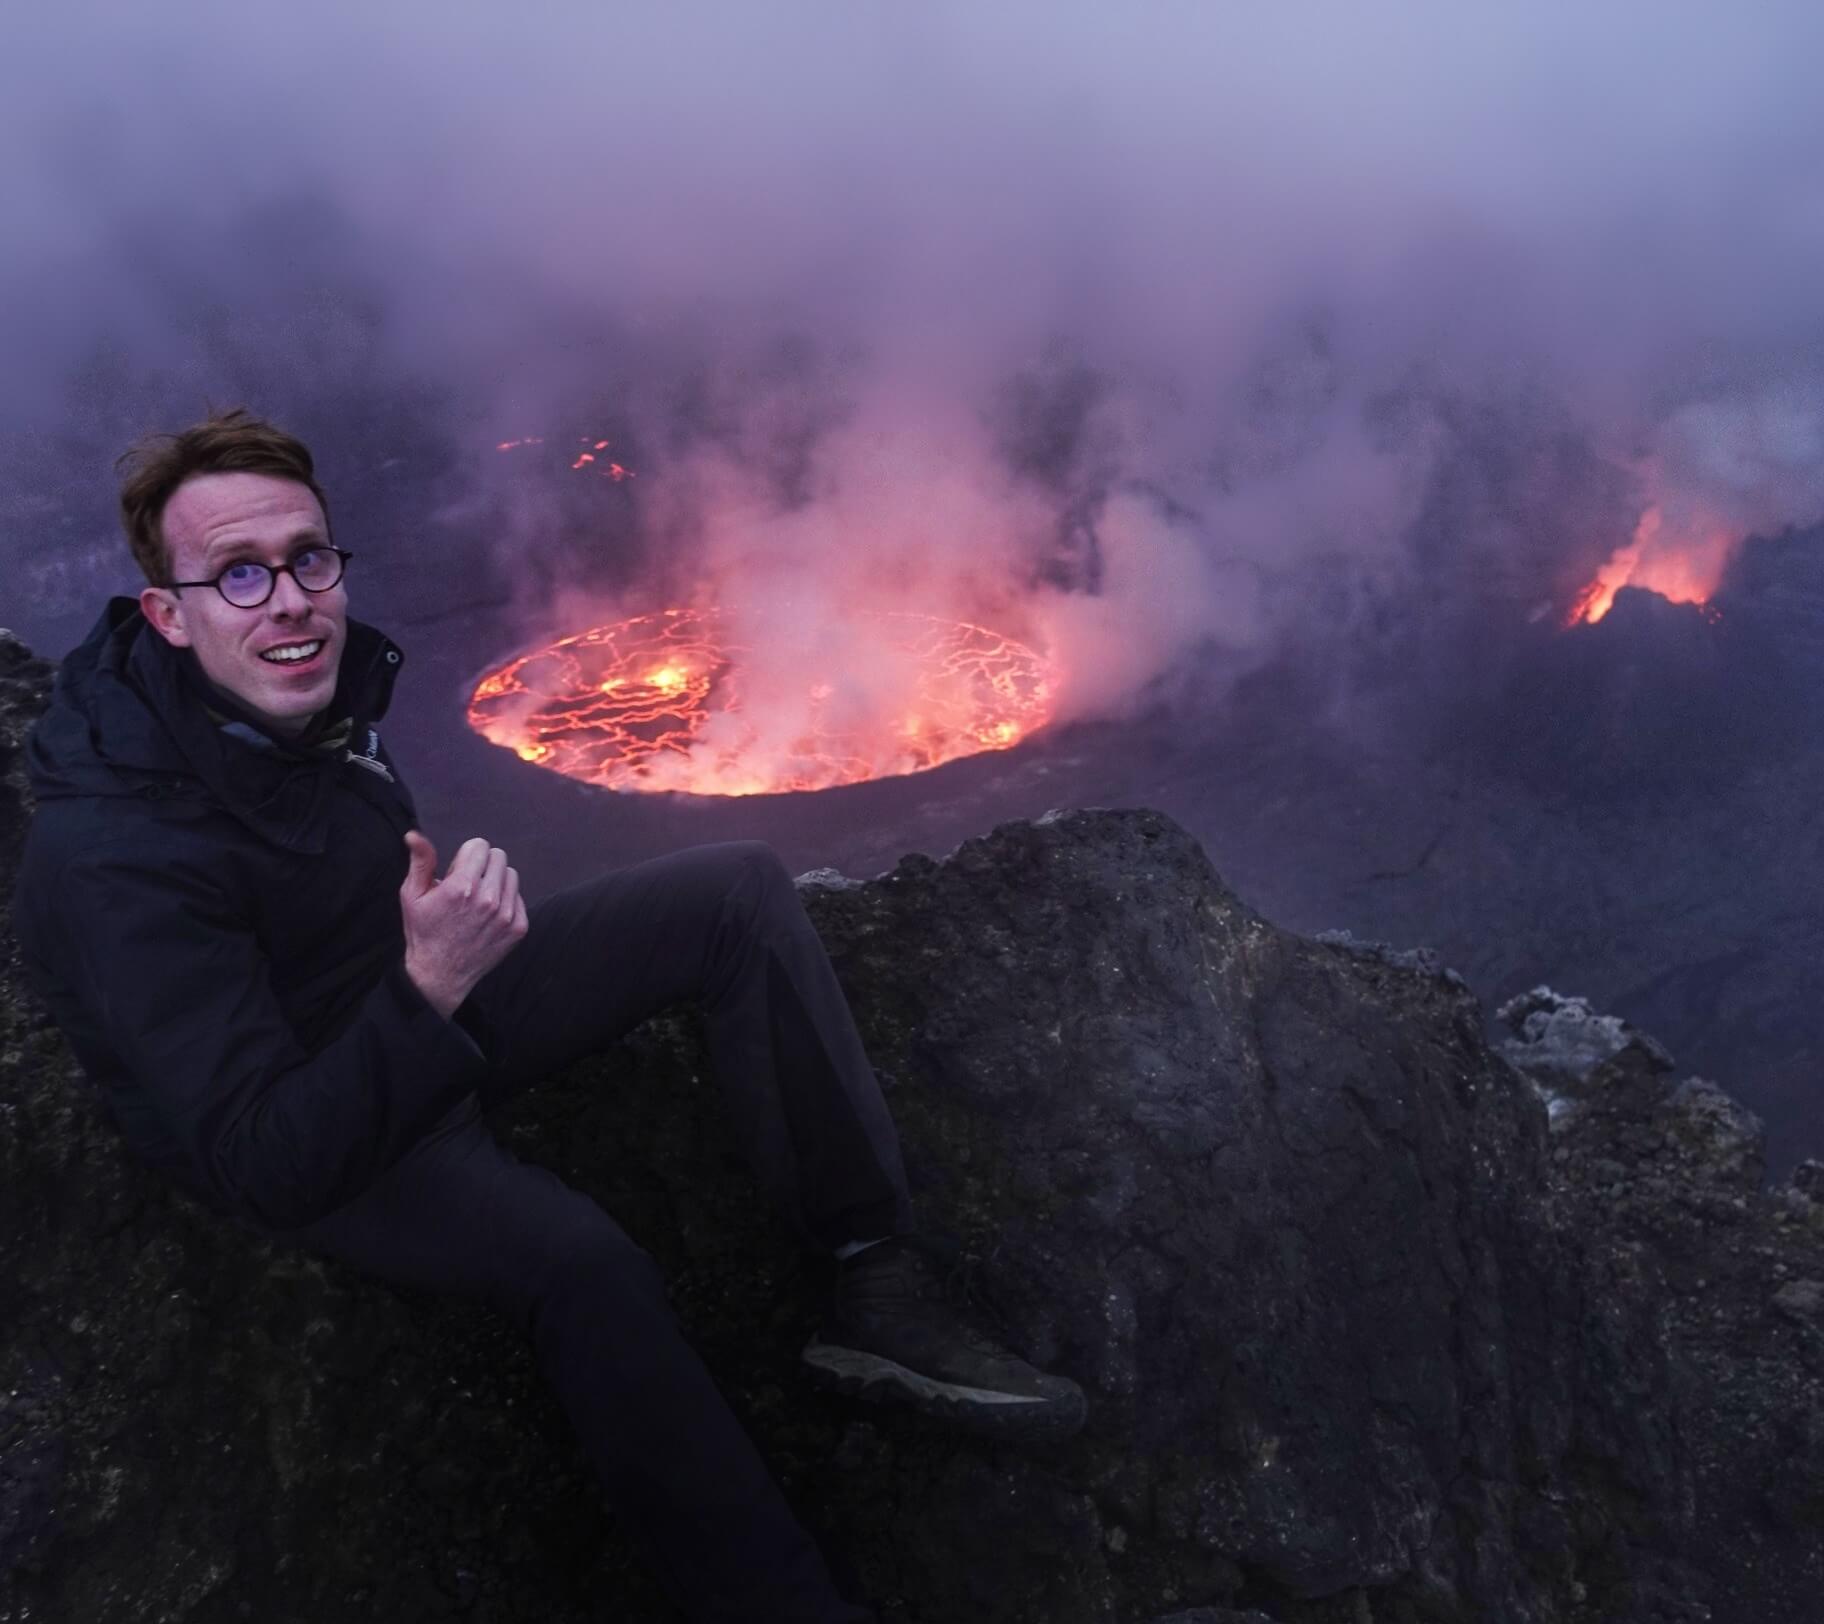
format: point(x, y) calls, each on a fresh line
point(1146, 330)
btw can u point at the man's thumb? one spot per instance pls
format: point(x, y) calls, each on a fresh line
point(422, 874)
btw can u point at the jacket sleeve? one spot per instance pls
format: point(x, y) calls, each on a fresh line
point(179, 989)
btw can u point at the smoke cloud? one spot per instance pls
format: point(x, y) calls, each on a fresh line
point(1150, 335)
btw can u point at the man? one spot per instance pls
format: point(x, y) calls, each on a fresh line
point(227, 903)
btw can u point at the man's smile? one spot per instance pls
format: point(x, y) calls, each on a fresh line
point(304, 653)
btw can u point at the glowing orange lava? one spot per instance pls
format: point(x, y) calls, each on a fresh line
point(589, 460)
point(662, 702)
point(593, 461)
point(1684, 566)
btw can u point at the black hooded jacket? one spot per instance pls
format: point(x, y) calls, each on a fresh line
point(213, 916)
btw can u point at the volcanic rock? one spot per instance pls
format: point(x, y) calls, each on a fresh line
point(1367, 1336)
point(1559, 1042)
point(1661, 1178)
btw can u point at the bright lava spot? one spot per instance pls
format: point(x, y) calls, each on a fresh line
point(587, 461)
point(1684, 567)
point(662, 702)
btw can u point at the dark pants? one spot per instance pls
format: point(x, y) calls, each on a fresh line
point(722, 925)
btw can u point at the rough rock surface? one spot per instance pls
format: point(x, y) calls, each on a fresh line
point(1366, 1338)
point(1660, 1179)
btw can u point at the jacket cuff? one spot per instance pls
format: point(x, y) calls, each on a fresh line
point(447, 1043)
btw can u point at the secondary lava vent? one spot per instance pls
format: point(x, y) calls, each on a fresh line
point(670, 701)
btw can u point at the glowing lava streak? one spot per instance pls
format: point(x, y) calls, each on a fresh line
point(588, 460)
point(656, 703)
point(1684, 568)
point(592, 458)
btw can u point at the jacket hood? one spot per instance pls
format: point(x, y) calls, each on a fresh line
point(129, 715)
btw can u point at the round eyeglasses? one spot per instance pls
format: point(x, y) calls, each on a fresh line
point(247, 584)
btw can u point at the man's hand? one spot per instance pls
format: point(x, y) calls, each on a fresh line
point(457, 928)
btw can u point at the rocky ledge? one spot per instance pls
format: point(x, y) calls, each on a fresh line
point(1378, 1323)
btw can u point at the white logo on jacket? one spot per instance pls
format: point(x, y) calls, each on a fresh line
point(371, 759)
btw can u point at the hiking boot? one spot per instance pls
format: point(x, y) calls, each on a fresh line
point(893, 1336)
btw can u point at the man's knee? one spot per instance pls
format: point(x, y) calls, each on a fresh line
point(754, 857)
point(758, 877)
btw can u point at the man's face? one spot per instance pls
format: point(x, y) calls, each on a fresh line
point(214, 520)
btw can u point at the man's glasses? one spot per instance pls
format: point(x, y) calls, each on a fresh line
point(247, 585)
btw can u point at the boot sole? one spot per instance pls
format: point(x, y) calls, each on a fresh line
point(1026, 1417)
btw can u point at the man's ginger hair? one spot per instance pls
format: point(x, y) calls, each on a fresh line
point(230, 442)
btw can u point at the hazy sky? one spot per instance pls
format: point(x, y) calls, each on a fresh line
point(1120, 321)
